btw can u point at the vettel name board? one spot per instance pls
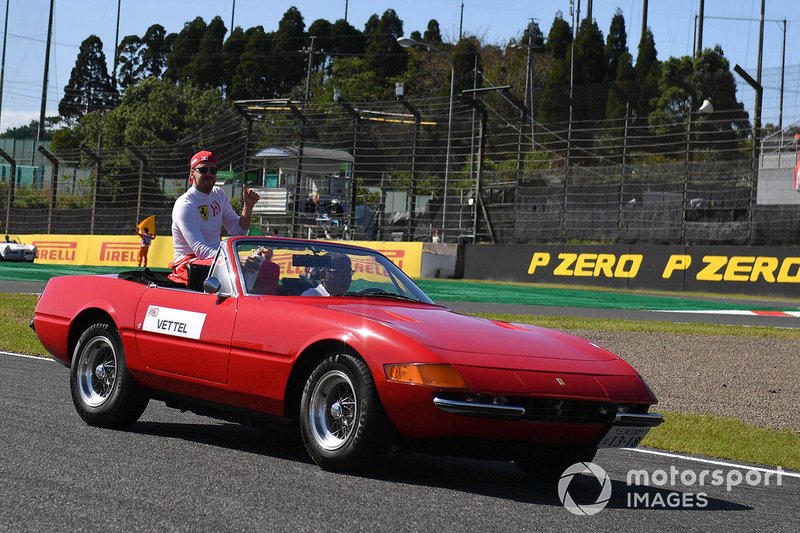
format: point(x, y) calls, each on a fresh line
point(754, 270)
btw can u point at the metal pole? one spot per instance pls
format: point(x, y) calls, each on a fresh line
point(687, 169)
point(3, 64)
point(142, 161)
point(116, 45)
point(569, 127)
point(98, 166)
point(11, 183)
point(40, 130)
point(53, 186)
point(783, 65)
point(233, 12)
point(353, 188)
point(447, 155)
point(622, 173)
point(699, 49)
point(308, 72)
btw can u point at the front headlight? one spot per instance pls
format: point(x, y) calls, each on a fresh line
point(433, 375)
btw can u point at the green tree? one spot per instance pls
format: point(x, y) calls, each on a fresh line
point(559, 39)
point(129, 57)
point(288, 69)
point(183, 50)
point(90, 87)
point(648, 72)
point(623, 92)
point(683, 85)
point(347, 39)
point(232, 52)
point(383, 54)
point(252, 79)
point(156, 46)
point(154, 112)
point(432, 33)
point(533, 35)
point(322, 31)
point(589, 73)
point(466, 51)
point(207, 67)
point(30, 131)
point(616, 44)
point(554, 103)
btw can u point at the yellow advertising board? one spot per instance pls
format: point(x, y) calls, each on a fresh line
point(123, 250)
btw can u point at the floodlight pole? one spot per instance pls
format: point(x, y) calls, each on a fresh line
point(407, 42)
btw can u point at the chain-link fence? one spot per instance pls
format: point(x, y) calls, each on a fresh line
point(409, 170)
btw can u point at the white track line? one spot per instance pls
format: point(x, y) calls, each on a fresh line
point(45, 358)
point(719, 463)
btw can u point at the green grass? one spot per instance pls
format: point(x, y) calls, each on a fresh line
point(16, 312)
point(571, 323)
point(726, 438)
point(682, 432)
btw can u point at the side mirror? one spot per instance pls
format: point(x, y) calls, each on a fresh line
point(211, 286)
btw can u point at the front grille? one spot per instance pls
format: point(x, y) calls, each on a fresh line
point(550, 409)
point(571, 411)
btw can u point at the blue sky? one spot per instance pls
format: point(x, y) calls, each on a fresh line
point(672, 22)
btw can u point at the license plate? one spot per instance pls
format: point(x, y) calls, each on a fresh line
point(623, 437)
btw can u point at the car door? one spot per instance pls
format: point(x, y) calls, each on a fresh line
point(188, 333)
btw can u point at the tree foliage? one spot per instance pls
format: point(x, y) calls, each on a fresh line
point(90, 87)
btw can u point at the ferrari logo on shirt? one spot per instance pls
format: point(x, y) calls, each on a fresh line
point(203, 212)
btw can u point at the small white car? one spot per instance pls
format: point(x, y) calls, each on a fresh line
point(12, 249)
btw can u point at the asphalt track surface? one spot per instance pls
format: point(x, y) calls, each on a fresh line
point(181, 472)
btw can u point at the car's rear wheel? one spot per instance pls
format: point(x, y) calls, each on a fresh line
point(342, 421)
point(103, 391)
point(550, 464)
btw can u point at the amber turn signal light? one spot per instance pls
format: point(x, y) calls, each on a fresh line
point(444, 376)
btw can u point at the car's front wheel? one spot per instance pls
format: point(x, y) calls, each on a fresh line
point(342, 421)
point(103, 391)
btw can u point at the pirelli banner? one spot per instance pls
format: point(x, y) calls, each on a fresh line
point(731, 269)
point(123, 251)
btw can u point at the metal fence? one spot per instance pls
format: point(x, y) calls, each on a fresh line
point(691, 179)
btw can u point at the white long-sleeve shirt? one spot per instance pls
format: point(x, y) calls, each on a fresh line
point(197, 221)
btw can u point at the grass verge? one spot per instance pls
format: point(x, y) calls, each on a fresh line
point(570, 323)
point(681, 432)
point(726, 438)
point(16, 312)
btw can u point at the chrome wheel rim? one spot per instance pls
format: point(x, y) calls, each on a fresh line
point(97, 371)
point(333, 410)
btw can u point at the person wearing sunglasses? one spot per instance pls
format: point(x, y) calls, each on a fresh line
point(335, 279)
point(199, 215)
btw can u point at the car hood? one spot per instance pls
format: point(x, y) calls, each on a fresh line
point(442, 329)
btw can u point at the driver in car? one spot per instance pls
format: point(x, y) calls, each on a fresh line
point(335, 279)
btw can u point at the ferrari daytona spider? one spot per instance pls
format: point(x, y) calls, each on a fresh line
point(338, 340)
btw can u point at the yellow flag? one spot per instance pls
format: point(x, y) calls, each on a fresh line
point(149, 223)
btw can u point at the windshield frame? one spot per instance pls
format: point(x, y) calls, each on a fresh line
point(402, 284)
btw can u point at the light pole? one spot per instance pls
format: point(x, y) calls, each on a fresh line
point(407, 42)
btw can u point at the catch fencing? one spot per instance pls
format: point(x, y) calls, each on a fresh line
point(408, 170)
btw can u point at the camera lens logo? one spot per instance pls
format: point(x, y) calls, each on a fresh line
point(602, 498)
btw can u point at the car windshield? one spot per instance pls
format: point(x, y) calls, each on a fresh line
point(289, 268)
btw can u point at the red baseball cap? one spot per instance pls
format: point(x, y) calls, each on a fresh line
point(203, 156)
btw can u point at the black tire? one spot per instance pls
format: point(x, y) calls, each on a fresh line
point(103, 391)
point(550, 464)
point(342, 421)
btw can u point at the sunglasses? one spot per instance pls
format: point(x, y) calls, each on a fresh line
point(206, 170)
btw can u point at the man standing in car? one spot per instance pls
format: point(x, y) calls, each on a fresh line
point(199, 215)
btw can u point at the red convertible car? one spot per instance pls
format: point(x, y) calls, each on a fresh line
point(339, 341)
